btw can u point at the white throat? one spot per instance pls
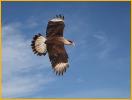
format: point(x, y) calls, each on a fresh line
point(66, 42)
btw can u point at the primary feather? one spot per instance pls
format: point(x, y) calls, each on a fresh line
point(58, 58)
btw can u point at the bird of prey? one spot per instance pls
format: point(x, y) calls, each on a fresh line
point(53, 44)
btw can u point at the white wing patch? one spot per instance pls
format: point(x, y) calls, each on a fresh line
point(57, 20)
point(60, 68)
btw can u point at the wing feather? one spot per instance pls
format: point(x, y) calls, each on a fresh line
point(55, 27)
point(56, 50)
point(58, 58)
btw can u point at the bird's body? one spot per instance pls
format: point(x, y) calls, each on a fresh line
point(57, 40)
point(53, 43)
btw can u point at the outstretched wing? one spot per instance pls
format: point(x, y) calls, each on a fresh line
point(57, 53)
point(55, 26)
point(58, 58)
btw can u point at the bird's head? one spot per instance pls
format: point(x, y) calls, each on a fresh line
point(66, 41)
point(71, 42)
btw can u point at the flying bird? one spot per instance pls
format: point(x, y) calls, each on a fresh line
point(53, 44)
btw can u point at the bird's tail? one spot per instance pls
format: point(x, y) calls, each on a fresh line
point(38, 45)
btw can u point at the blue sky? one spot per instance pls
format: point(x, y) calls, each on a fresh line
point(99, 63)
